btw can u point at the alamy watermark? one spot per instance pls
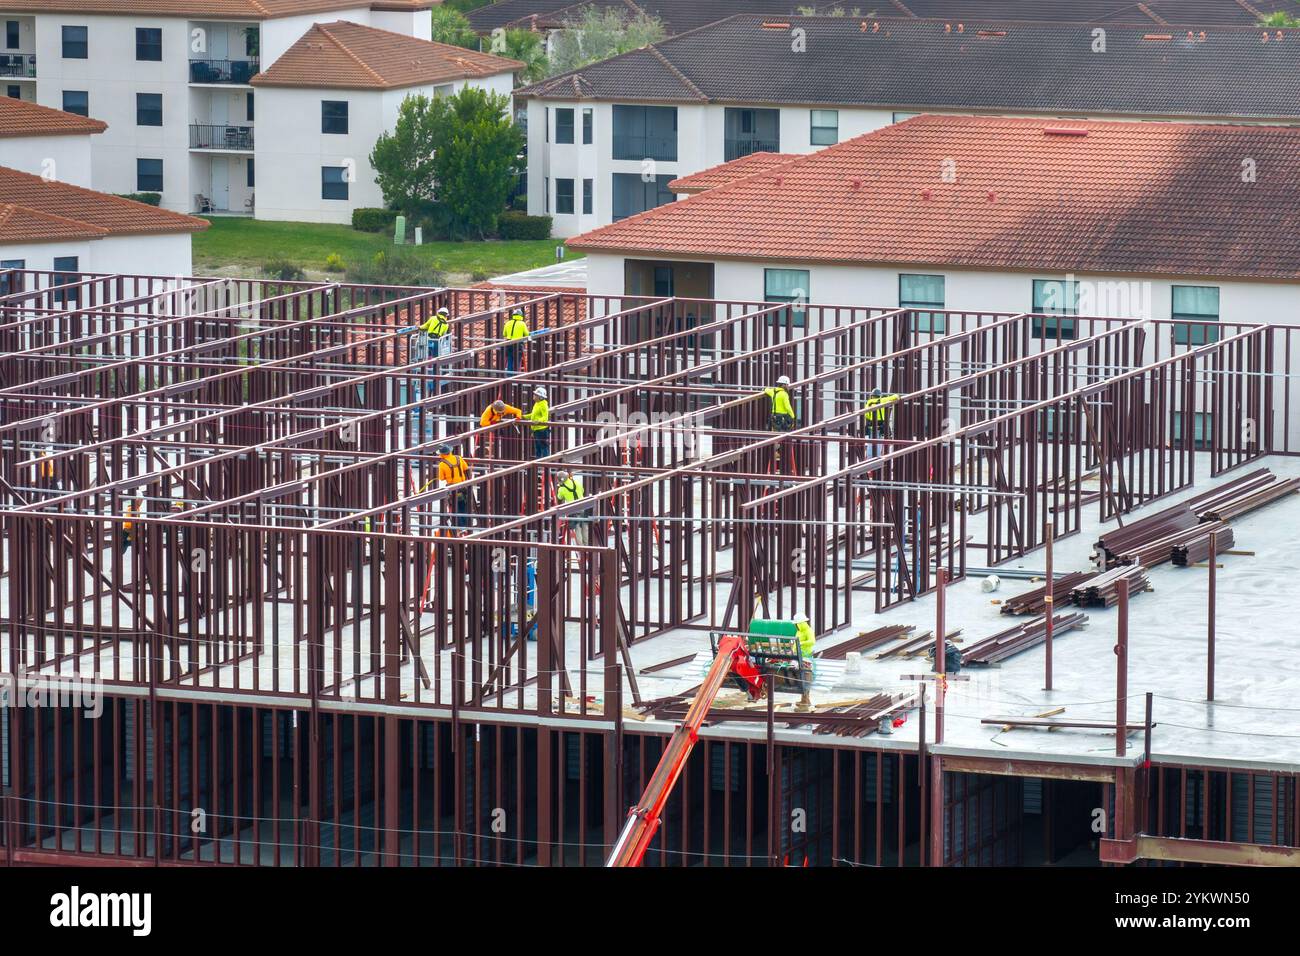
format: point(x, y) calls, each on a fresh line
point(52, 691)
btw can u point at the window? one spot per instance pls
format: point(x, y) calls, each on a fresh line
point(632, 194)
point(75, 43)
point(645, 132)
point(825, 127)
point(663, 282)
point(148, 43)
point(588, 124)
point(149, 175)
point(546, 123)
point(7, 283)
point(899, 117)
point(787, 285)
point(564, 197)
point(252, 36)
point(588, 192)
point(11, 35)
point(546, 194)
point(66, 264)
point(248, 107)
point(148, 109)
point(564, 125)
point(923, 292)
point(1199, 303)
point(333, 182)
point(1054, 297)
point(14, 92)
point(76, 101)
point(1201, 432)
point(250, 177)
point(747, 131)
point(333, 116)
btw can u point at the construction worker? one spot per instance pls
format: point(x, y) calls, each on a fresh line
point(494, 414)
point(782, 414)
point(131, 512)
point(568, 489)
point(454, 470)
point(436, 328)
point(807, 647)
point(539, 419)
point(878, 416)
point(516, 331)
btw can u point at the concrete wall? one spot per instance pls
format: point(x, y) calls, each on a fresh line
point(158, 255)
point(64, 158)
point(283, 32)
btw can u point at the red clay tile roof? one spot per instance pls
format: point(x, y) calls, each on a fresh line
point(345, 55)
point(228, 9)
point(44, 211)
point(725, 173)
point(1000, 193)
point(22, 118)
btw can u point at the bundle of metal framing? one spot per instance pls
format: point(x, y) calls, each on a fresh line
point(1035, 601)
point(1196, 549)
point(920, 644)
point(1019, 638)
point(847, 720)
point(1238, 498)
point(1162, 549)
point(1103, 590)
point(866, 641)
point(1117, 546)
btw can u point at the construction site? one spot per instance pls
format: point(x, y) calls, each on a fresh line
point(334, 610)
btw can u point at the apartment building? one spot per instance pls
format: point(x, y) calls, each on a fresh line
point(175, 84)
point(45, 142)
point(604, 141)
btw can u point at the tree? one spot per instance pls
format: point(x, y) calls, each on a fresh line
point(1279, 19)
point(465, 6)
point(526, 46)
point(600, 34)
point(450, 26)
point(452, 157)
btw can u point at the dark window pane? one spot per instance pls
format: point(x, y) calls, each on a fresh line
point(76, 101)
point(250, 173)
point(9, 284)
point(66, 264)
point(645, 132)
point(1197, 304)
point(148, 43)
point(148, 109)
point(564, 126)
point(149, 175)
point(588, 189)
point(333, 116)
point(564, 196)
point(11, 35)
point(632, 194)
point(334, 182)
point(920, 292)
point(587, 121)
point(75, 43)
point(1054, 297)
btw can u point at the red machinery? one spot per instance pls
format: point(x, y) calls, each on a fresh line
point(731, 660)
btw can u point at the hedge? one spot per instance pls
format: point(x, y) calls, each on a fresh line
point(149, 199)
point(373, 220)
point(518, 225)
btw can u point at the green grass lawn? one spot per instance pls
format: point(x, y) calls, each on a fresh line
point(245, 244)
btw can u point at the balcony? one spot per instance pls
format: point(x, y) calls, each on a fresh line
point(224, 137)
point(639, 148)
point(735, 148)
point(232, 72)
point(22, 65)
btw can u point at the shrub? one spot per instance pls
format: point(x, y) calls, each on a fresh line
point(149, 199)
point(400, 265)
point(369, 219)
point(334, 262)
point(479, 275)
point(518, 225)
point(286, 270)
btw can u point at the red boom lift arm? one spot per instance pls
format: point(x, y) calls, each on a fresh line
point(732, 659)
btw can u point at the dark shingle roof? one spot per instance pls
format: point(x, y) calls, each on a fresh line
point(920, 65)
point(1102, 197)
point(679, 16)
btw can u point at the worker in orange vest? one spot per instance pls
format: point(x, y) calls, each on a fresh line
point(454, 470)
point(494, 414)
point(132, 512)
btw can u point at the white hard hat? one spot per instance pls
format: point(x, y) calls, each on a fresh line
point(783, 380)
point(801, 618)
point(540, 391)
point(444, 311)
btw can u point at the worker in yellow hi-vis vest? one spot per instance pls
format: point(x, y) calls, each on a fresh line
point(782, 412)
point(516, 330)
point(539, 419)
point(879, 417)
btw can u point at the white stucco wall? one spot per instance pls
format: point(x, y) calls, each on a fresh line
point(291, 149)
point(156, 255)
point(64, 158)
point(964, 289)
point(283, 32)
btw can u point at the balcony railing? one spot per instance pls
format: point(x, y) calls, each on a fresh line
point(645, 147)
point(736, 148)
point(18, 64)
point(222, 71)
point(205, 136)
